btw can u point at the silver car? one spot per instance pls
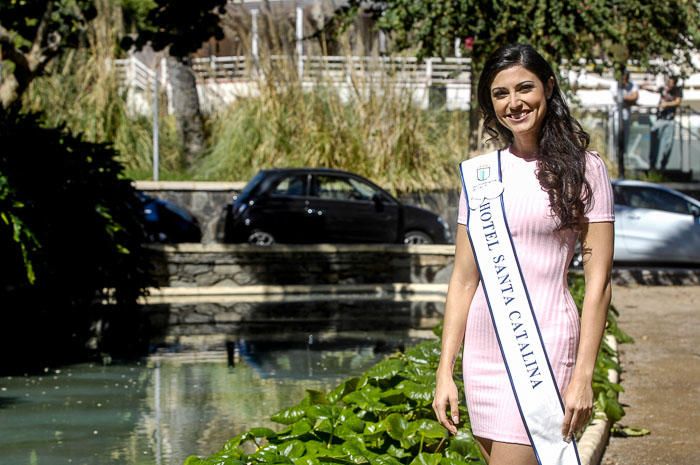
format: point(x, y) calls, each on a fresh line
point(655, 224)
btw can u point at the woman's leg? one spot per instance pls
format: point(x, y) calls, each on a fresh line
point(506, 453)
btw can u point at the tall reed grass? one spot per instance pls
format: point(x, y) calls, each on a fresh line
point(371, 128)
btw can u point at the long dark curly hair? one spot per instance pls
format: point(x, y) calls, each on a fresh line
point(561, 161)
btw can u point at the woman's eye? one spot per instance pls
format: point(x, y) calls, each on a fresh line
point(500, 94)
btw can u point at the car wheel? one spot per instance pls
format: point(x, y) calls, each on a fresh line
point(261, 238)
point(417, 237)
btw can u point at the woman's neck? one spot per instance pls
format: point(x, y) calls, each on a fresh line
point(524, 148)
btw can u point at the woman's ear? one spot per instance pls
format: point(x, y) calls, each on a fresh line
point(549, 87)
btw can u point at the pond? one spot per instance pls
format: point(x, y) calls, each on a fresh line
point(186, 399)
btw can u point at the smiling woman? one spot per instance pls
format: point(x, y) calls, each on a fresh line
point(528, 358)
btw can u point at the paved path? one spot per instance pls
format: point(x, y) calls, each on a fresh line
point(661, 375)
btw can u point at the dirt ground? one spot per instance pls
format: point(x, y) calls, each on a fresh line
point(661, 375)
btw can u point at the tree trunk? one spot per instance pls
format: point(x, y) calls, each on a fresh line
point(186, 108)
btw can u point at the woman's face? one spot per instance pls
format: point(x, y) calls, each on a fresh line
point(519, 99)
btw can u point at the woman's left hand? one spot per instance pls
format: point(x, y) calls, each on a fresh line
point(578, 407)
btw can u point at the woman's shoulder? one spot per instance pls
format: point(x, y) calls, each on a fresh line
point(594, 161)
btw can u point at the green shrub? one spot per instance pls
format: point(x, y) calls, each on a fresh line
point(71, 229)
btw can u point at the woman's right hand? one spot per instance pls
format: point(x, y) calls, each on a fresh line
point(446, 395)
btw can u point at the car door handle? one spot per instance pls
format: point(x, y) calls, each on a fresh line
point(633, 217)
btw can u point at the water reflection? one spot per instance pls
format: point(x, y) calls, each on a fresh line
point(178, 403)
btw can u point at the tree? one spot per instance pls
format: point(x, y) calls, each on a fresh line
point(605, 33)
point(180, 28)
point(32, 33)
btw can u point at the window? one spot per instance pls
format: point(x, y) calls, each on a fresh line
point(294, 185)
point(339, 188)
point(656, 199)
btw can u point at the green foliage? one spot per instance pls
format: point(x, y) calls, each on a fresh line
point(609, 30)
point(65, 21)
point(385, 416)
point(12, 226)
point(179, 27)
point(71, 229)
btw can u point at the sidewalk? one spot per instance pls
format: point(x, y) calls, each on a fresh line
point(661, 375)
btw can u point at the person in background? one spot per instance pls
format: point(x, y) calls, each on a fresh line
point(662, 131)
point(630, 94)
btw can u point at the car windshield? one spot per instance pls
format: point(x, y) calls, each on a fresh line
point(252, 184)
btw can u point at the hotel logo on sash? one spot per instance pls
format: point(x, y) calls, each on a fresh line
point(483, 173)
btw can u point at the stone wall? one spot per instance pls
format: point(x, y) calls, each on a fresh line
point(230, 265)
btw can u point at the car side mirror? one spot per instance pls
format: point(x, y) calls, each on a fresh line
point(695, 211)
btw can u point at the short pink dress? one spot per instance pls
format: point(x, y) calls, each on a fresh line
point(544, 256)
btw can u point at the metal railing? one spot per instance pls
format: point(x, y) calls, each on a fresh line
point(339, 68)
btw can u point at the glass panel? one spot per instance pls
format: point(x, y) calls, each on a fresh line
point(656, 199)
point(336, 188)
point(291, 186)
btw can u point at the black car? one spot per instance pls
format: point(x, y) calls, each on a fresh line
point(167, 222)
point(325, 206)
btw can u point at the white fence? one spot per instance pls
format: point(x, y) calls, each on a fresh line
point(221, 80)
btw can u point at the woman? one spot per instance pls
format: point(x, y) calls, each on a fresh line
point(554, 192)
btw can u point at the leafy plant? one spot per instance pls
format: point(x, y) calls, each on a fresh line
point(384, 416)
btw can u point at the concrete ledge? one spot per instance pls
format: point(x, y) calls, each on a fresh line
point(594, 440)
point(204, 186)
point(422, 292)
point(422, 249)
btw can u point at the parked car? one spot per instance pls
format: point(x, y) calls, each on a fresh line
point(654, 223)
point(326, 205)
point(168, 222)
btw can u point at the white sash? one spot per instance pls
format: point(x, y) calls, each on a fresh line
point(518, 334)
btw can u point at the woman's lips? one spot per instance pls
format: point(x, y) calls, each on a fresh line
point(518, 117)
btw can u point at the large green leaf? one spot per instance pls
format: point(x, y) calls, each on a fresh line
point(366, 398)
point(316, 397)
point(422, 394)
point(393, 397)
point(262, 432)
point(291, 449)
point(289, 415)
point(420, 430)
point(398, 452)
point(396, 425)
point(343, 389)
point(306, 461)
point(426, 459)
point(348, 418)
point(384, 460)
point(385, 369)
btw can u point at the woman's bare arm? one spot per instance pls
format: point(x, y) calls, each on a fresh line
point(463, 284)
point(597, 244)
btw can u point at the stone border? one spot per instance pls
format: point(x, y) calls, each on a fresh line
point(594, 440)
point(395, 291)
point(422, 249)
point(206, 186)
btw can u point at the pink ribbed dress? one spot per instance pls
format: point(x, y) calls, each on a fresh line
point(544, 255)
